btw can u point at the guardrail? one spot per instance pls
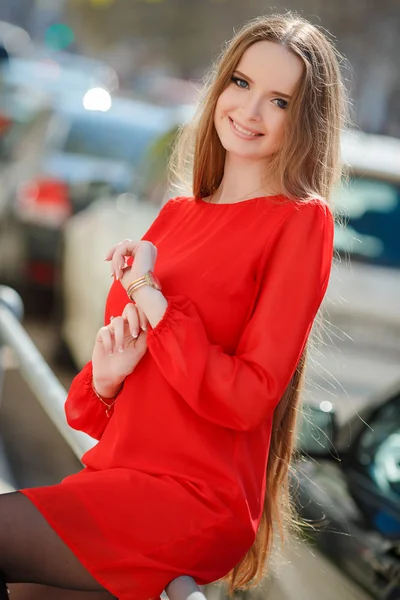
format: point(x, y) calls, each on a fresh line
point(51, 395)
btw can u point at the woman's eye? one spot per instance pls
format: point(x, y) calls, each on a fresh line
point(282, 103)
point(242, 83)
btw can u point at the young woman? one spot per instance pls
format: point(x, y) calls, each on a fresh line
point(193, 388)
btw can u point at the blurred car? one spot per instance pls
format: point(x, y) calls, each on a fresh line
point(365, 286)
point(24, 118)
point(364, 290)
point(58, 73)
point(93, 72)
point(94, 145)
point(348, 489)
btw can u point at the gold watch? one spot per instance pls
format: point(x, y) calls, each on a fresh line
point(147, 279)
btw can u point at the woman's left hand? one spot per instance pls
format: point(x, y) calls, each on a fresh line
point(144, 254)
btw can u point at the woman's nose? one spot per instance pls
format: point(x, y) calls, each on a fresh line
point(252, 109)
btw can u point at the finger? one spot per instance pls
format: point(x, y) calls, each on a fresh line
point(127, 243)
point(105, 338)
point(128, 247)
point(110, 253)
point(141, 345)
point(116, 250)
point(143, 321)
point(136, 316)
point(118, 263)
point(117, 325)
point(131, 315)
point(125, 248)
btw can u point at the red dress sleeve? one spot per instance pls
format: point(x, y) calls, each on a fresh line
point(241, 391)
point(83, 409)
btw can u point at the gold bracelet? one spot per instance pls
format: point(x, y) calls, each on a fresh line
point(134, 286)
point(147, 279)
point(108, 406)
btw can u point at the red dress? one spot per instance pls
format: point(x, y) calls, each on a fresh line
point(176, 482)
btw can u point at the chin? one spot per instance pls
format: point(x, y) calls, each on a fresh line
point(244, 154)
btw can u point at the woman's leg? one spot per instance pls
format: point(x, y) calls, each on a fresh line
point(31, 551)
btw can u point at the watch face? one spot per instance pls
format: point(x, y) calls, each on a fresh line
point(155, 282)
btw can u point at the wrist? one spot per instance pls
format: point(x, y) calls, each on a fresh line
point(132, 274)
point(152, 302)
point(144, 294)
point(107, 402)
point(147, 279)
point(105, 389)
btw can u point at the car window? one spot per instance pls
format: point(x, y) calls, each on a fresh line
point(109, 139)
point(378, 451)
point(369, 211)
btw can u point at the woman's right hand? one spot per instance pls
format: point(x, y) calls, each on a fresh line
point(144, 254)
point(116, 352)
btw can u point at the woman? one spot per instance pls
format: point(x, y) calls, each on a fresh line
point(193, 388)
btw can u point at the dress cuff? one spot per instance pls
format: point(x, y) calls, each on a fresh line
point(87, 377)
point(163, 324)
point(172, 315)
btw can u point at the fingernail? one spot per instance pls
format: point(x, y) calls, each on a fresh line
point(144, 328)
point(110, 353)
point(135, 334)
point(117, 277)
point(121, 349)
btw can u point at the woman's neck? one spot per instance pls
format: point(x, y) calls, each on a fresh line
point(243, 180)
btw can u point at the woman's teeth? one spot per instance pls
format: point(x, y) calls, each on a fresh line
point(245, 131)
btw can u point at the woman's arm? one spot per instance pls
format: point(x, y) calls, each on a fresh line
point(152, 302)
point(240, 391)
point(84, 411)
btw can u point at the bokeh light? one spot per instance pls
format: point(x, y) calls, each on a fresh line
point(97, 99)
point(59, 36)
point(326, 406)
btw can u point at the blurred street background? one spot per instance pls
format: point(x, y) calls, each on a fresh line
point(92, 93)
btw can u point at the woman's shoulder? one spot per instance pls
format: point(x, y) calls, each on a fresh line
point(299, 222)
point(175, 203)
point(308, 203)
point(178, 200)
point(308, 210)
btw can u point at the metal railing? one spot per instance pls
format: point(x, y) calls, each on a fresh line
point(51, 395)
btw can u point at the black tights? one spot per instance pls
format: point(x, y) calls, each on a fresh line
point(32, 553)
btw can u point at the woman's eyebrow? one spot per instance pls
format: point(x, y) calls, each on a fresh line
point(274, 92)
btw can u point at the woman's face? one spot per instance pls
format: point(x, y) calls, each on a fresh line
point(251, 112)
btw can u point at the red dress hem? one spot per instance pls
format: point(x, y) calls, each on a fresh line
point(54, 525)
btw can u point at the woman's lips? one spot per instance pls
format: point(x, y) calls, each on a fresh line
point(240, 134)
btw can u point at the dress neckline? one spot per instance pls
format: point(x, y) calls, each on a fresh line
point(202, 201)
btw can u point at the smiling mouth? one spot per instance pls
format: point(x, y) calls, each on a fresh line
point(247, 132)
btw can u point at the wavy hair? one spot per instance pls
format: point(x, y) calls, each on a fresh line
point(308, 164)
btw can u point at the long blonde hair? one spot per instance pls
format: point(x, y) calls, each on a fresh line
point(308, 163)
